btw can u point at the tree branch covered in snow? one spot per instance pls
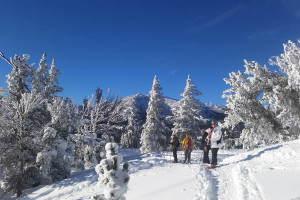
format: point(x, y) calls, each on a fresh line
point(266, 102)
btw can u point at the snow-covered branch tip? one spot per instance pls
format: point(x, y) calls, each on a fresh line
point(7, 60)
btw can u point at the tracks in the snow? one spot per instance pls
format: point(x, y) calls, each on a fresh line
point(229, 181)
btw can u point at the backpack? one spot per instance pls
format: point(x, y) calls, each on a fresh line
point(220, 140)
point(189, 143)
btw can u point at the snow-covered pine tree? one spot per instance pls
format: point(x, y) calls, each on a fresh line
point(19, 141)
point(286, 96)
point(246, 102)
point(87, 148)
point(104, 116)
point(100, 121)
point(153, 138)
point(52, 87)
point(45, 80)
point(40, 76)
point(87, 145)
point(21, 123)
point(131, 136)
point(187, 113)
point(56, 158)
point(267, 102)
point(29, 117)
point(114, 178)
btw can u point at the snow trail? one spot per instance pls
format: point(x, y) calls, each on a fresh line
point(168, 181)
point(270, 173)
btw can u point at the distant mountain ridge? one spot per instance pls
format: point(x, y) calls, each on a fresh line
point(209, 111)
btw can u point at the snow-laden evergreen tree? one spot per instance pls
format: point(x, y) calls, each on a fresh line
point(40, 76)
point(187, 113)
point(57, 157)
point(28, 119)
point(131, 136)
point(20, 141)
point(52, 86)
point(112, 176)
point(100, 123)
point(267, 102)
point(20, 127)
point(45, 79)
point(20, 78)
point(246, 100)
point(286, 97)
point(152, 137)
point(104, 116)
point(87, 148)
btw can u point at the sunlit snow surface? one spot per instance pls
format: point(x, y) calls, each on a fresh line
point(267, 173)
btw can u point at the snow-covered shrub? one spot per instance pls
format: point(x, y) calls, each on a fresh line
point(131, 136)
point(88, 147)
point(114, 178)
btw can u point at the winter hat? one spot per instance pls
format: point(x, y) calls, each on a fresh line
point(212, 122)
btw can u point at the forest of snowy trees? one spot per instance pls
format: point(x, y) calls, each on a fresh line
point(43, 135)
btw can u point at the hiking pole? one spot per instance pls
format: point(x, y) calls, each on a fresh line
point(168, 155)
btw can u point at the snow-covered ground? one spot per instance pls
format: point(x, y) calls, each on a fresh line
point(267, 173)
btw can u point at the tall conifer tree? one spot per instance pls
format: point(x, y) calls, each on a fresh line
point(187, 113)
point(153, 138)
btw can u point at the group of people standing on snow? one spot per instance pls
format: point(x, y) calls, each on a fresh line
point(210, 141)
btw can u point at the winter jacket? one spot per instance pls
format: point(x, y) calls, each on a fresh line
point(187, 143)
point(203, 141)
point(174, 142)
point(215, 136)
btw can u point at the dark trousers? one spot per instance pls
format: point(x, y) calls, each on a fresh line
point(187, 155)
point(214, 154)
point(205, 155)
point(175, 155)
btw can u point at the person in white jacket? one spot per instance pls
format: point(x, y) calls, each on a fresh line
point(215, 143)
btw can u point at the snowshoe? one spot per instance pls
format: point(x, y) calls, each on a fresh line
point(211, 166)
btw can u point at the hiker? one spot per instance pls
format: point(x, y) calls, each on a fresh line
point(187, 146)
point(175, 144)
point(214, 140)
point(206, 146)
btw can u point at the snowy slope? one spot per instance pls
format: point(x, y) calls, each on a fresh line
point(266, 173)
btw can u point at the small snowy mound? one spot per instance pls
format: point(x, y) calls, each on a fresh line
point(111, 176)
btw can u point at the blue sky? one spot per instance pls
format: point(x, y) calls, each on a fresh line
point(122, 44)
